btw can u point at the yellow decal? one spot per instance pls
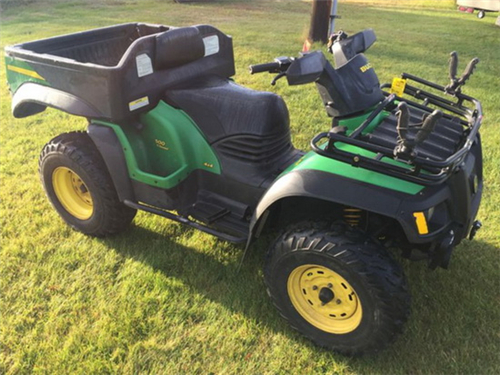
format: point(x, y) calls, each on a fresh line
point(161, 144)
point(139, 103)
point(366, 67)
point(299, 161)
point(421, 222)
point(398, 86)
point(208, 165)
point(26, 72)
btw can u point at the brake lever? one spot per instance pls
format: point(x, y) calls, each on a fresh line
point(279, 76)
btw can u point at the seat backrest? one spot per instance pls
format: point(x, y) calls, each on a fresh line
point(179, 46)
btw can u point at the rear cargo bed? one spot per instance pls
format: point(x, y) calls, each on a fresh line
point(114, 72)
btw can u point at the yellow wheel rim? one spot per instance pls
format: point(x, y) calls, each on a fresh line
point(72, 193)
point(324, 299)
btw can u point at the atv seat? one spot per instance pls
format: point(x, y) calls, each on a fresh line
point(222, 108)
point(249, 129)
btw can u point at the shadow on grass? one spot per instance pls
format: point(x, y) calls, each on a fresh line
point(211, 270)
point(447, 310)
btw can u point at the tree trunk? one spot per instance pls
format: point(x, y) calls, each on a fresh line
point(320, 21)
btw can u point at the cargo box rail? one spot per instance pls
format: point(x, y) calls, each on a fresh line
point(417, 169)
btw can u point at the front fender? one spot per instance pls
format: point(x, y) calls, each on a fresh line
point(310, 183)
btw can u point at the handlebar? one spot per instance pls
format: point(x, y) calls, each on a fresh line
point(273, 67)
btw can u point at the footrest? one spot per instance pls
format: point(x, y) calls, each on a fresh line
point(208, 212)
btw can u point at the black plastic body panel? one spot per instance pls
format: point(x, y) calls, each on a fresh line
point(111, 150)
point(349, 89)
point(306, 69)
point(459, 197)
point(345, 49)
point(101, 67)
point(32, 98)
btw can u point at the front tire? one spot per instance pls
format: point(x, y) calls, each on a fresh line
point(337, 288)
point(79, 186)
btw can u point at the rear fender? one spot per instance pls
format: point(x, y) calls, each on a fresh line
point(32, 98)
point(111, 151)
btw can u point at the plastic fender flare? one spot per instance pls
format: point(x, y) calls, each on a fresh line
point(32, 98)
point(309, 183)
point(111, 151)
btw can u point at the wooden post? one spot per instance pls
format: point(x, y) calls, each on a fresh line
point(320, 19)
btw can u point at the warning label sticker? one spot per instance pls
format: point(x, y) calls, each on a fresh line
point(211, 45)
point(398, 86)
point(139, 103)
point(144, 65)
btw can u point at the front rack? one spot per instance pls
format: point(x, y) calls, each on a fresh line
point(417, 169)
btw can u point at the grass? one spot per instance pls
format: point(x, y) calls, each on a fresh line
point(165, 299)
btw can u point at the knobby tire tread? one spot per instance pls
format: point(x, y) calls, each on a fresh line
point(78, 147)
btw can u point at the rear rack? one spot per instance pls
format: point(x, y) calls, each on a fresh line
point(417, 169)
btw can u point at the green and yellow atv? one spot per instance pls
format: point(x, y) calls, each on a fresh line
point(172, 134)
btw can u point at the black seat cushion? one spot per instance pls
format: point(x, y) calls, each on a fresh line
point(222, 108)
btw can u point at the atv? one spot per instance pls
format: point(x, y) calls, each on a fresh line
point(170, 133)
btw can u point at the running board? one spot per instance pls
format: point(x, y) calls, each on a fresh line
point(186, 221)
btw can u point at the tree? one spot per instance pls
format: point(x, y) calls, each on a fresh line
point(320, 19)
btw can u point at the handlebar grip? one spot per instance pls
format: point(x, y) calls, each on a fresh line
point(268, 67)
point(453, 65)
point(468, 70)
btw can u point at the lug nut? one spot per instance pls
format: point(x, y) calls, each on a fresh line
point(315, 287)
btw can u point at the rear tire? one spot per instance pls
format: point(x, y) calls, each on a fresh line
point(337, 288)
point(79, 186)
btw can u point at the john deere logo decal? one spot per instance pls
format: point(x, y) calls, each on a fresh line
point(366, 67)
point(161, 144)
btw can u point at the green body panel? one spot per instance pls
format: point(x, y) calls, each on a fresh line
point(167, 149)
point(318, 162)
point(312, 160)
point(19, 72)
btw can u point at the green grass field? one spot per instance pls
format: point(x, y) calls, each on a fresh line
point(163, 299)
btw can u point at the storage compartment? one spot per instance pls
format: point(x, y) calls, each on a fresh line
point(104, 46)
point(114, 72)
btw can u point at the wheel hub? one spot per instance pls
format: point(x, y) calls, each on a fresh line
point(312, 288)
point(326, 295)
point(72, 193)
